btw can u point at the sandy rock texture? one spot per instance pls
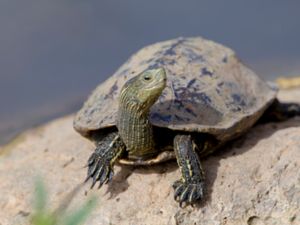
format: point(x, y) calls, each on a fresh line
point(254, 180)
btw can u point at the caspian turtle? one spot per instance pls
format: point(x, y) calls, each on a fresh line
point(182, 99)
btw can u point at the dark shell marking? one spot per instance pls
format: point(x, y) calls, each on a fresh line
point(208, 90)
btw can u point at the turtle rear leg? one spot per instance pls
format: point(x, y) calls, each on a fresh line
point(189, 189)
point(101, 162)
point(279, 111)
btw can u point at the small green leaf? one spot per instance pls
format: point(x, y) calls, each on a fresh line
point(59, 216)
point(40, 200)
point(80, 215)
point(43, 219)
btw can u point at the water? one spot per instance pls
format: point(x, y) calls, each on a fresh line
point(54, 52)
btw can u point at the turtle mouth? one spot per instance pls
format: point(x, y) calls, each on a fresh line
point(161, 78)
point(140, 92)
point(154, 88)
point(161, 75)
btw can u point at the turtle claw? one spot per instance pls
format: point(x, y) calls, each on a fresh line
point(188, 193)
point(100, 163)
point(99, 169)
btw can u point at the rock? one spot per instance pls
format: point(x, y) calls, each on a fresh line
point(253, 180)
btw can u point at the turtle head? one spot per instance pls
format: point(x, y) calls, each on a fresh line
point(142, 91)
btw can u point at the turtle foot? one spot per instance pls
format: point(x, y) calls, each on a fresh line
point(188, 193)
point(99, 169)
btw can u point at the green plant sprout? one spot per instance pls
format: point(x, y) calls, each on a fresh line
point(44, 216)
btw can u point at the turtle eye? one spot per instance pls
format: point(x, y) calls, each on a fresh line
point(147, 77)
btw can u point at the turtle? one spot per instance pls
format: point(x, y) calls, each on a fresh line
point(183, 98)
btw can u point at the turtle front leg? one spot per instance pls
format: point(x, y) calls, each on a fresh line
point(189, 189)
point(101, 162)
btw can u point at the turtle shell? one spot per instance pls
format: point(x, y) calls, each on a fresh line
point(208, 90)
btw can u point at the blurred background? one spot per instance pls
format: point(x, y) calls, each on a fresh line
point(53, 53)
